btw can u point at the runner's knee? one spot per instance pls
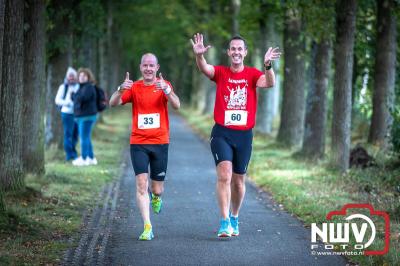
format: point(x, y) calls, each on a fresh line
point(224, 170)
point(238, 179)
point(157, 188)
point(141, 184)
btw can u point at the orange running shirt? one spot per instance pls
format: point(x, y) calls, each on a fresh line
point(150, 124)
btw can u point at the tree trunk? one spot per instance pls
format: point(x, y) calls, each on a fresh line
point(235, 4)
point(56, 70)
point(109, 86)
point(385, 72)
point(114, 55)
point(316, 109)
point(102, 77)
point(209, 86)
point(267, 98)
point(34, 91)
point(198, 98)
point(341, 117)
point(292, 115)
point(2, 15)
point(58, 62)
point(11, 174)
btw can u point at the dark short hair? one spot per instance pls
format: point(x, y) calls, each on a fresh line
point(237, 37)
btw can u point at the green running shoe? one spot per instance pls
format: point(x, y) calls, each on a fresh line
point(147, 233)
point(156, 203)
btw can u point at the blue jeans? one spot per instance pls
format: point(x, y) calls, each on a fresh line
point(85, 126)
point(70, 135)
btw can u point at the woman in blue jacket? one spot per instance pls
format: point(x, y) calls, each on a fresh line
point(85, 112)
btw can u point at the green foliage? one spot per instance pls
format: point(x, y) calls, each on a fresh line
point(364, 54)
point(396, 130)
point(58, 20)
point(91, 18)
point(319, 19)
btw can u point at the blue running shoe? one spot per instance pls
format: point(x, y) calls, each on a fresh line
point(225, 230)
point(234, 224)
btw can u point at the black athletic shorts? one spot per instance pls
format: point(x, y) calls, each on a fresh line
point(232, 145)
point(155, 155)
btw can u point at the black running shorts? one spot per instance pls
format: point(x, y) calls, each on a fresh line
point(232, 145)
point(153, 155)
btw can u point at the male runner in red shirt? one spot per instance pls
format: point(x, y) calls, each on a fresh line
point(234, 114)
point(150, 133)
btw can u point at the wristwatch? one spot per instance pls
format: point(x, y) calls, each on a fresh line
point(269, 66)
point(119, 88)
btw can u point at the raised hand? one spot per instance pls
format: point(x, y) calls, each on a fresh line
point(271, 54)
point(198, 45)
point(127, 84)
point(162, 85)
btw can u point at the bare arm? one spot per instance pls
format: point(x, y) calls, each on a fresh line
point(174, 100)
point(172, 97)
point(116, 97)
point(268, 79)
point(199, 50)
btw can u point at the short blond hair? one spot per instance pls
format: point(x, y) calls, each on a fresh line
point(88, 73)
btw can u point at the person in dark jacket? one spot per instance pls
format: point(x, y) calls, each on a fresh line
point(85, 112)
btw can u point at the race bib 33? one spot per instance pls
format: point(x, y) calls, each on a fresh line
point(148, 121)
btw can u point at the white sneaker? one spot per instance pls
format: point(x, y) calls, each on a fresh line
point(91, 161)
point(79, 161)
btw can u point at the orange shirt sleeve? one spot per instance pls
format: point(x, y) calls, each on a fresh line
point(127, 96)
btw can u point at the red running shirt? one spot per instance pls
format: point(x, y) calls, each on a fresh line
point(236, 97)
point(150, 124)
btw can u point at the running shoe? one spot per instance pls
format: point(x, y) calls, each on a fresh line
point(147, 233)
point(156, 203)
point(234, 224)
point(225, 229)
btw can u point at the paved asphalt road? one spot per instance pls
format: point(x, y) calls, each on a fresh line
point(185, 230)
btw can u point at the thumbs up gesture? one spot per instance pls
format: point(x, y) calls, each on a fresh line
point(162, 85)
point(127, 84)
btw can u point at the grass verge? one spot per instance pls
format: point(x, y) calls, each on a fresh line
point(42, 218)
point(311, 190)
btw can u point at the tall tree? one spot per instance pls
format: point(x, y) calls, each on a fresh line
point(385, 72)
point(293, 102)
point(235, 5)
point(11, 174)
point(212, 58)
point(34, 87)
point(59, 53)
point(341, 118)
point(2, 15)
point(316, 108)
point(267, 98)
point(320, 25)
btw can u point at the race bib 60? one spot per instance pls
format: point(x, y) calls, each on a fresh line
point(235, 118)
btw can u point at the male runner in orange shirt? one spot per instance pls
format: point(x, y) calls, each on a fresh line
point(150, 133)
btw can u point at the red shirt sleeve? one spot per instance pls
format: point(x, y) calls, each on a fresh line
point(127, 96)
point(217, 73)
point(256, 74)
